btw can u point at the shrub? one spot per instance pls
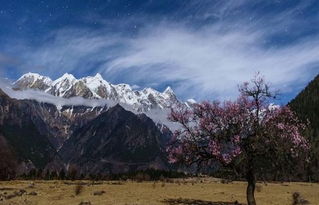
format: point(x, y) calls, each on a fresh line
point(85, 203)
point(98, 193)
point(259, 188)
point(298, 200)
point(78, 189)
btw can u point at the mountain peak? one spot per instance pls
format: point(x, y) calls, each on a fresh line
point(96, 80)
point(67, 76)
point(168, 90)
point(116, 108)
point(29, 74)
point(98, 76)
point(33, 81)
point(149, 91)
point(34, 77)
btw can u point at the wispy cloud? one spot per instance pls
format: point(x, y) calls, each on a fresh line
point(202, 61)
point(47, 98)
point(212, 62)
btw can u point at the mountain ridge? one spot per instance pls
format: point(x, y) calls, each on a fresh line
point(95, 87)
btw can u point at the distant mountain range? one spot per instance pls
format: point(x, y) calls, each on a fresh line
point(95, 87)
point(112, 137)
point(156, 105)
point(126, 133)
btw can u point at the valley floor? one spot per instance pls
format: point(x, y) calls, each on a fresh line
point(178, 192)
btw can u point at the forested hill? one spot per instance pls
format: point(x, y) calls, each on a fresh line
point(306, 106)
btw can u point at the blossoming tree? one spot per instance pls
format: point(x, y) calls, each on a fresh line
point(250, 128)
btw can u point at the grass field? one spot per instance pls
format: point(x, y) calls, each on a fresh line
point(180, 192)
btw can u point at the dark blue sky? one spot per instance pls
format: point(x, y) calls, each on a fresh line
point(202, 48)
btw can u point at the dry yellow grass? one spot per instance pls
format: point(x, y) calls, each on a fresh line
point(150, 193)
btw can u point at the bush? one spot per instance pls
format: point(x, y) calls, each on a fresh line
point(259, 188)
point(78, 189)
point(298, 200)
point(85, 203)
point(98, 193)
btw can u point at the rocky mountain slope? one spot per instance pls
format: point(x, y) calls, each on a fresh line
point(59, 124)
point(20, 127)
point(116, 141)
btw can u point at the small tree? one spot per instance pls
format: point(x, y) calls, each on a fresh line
point(47, 175)
point(72, 172)
point(261, 135)
point(39, 174)
point(62, 174)
point(32, 174)
point(54, 175)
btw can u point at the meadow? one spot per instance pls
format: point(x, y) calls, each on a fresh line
point(194, 191)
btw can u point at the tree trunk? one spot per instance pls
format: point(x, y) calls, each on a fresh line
point(250, 193)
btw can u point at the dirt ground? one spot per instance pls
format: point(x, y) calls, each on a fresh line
point(178, 192)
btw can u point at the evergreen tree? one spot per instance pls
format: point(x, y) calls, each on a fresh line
point(47, 175)
point(39, 174)
point(62, 174)
point(32, 174)
point(72, 172)
point(53, 175)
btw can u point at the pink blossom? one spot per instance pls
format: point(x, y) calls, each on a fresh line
point(214, 147)
point(248, 128)
point(236, 139)
point(174, 153)
point(235, 152)
point(226, 158)
point(217, 130)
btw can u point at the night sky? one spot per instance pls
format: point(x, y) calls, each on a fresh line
point(203, 49)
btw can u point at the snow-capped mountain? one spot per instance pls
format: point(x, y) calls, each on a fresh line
point(95, 87)
point(33, 81)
